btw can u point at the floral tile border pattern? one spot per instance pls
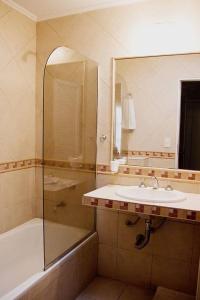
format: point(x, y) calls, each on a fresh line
point(143, 209)
point(148, 172)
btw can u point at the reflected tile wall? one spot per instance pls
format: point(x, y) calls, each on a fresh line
point(73, 213)
point(63, 128)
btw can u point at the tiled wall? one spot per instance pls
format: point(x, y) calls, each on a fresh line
point(17, 200)
point(170, 259)
point(17, 85)
point(153, 27)
point(149, 28)
point(17, 107)
point(139, 29)
point(73, 213)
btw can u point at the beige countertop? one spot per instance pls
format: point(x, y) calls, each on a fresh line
point(106, 196)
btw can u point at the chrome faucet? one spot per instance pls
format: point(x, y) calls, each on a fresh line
point(156, 183)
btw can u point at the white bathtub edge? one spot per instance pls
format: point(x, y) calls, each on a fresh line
point(22, 288)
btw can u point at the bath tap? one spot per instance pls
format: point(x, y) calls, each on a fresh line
point(60, 204)
point(156, 183)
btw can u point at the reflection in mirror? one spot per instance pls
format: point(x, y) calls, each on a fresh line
point(70, 118)
point(157, 111)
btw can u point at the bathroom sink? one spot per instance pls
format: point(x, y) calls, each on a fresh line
point(143, 194)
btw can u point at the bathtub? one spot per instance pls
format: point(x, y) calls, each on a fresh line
point(22, 254)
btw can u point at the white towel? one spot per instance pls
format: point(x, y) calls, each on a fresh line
point(128, 113)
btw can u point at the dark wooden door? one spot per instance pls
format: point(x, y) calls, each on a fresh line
point(189, 143)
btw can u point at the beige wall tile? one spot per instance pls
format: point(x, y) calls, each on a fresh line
point(17, 85)
point(17, 122)
point(134, 268)
point(173, 244)
point(87, 264)
point(127, 234)
point(88, 34)
point(4, 9)
point(17, 201)
point(107, 261)
point(17, 30)
point(107, 227)
point(39, 192)
point(117, 179)
point(174, 240)
point(185, 187)
point(100, 36)
point(171, 273)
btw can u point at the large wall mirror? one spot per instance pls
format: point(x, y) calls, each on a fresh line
point(156, 118)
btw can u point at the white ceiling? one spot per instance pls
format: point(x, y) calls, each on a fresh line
point(46, 9)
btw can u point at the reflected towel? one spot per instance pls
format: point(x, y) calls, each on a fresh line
point(128, 113)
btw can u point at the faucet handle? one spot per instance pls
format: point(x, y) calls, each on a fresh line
point(142, 184)
point(169, 188)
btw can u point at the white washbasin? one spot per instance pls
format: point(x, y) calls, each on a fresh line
point(143, 194)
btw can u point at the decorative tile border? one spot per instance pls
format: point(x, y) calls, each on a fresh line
point(182, 175)
point(30, 163)
point(148, 172)
point(150, 154)
point(70, 165)
point(19, 165)
point(143, 209)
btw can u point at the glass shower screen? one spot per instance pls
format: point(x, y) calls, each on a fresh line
point(69, 150)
